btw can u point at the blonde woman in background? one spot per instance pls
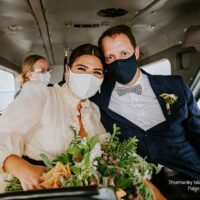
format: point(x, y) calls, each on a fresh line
point(34, 68)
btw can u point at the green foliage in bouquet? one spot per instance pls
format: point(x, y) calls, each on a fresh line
point(111, 163)
point(13, 185)
point(122, 168)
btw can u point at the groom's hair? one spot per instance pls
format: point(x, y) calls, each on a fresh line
point(117, 30)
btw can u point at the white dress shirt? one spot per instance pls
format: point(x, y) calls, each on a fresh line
point(38, 122)
point(143, 110)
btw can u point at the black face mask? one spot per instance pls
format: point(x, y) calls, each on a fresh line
point(123, 70)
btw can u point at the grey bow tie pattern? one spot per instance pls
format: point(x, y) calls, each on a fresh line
point(137, 89)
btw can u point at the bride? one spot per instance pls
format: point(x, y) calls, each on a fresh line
point(39, 120)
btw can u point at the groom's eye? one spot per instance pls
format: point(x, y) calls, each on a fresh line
point(109, 59)
point(124, 53)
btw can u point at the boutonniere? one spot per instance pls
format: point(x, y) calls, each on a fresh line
point(169, 100)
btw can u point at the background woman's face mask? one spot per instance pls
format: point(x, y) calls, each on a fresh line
point(123, 70)
point(84, 85)
point(41, 77)
point(45, 77)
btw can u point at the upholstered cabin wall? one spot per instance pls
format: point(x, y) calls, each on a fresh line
point(184, 61)
point(57, 73)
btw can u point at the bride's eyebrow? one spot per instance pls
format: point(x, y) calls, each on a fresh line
point(86, 67)
point(80, 65)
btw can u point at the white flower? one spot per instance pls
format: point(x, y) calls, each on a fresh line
point(169, 100)
point(80, 164)
point(147, 175)
point(96, 152)
point(137, 173)
point(84, 140)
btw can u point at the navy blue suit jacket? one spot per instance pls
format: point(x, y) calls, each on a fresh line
point(174, 143)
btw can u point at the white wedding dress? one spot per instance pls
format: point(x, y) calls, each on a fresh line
point(39, 120)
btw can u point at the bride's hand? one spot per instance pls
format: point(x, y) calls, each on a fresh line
point(28, 174)
point(30, 177)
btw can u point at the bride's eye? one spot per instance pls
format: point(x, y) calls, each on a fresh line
point(98, 72)
point(82, 69)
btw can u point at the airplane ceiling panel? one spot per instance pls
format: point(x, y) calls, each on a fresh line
point(19, 31)
point(63, 18)
point(165, 27)
point(47, 27)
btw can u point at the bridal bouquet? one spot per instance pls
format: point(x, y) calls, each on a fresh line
point(107, 163)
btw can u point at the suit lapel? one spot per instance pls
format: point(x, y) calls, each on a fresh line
point(107, 88)
point(159, 87)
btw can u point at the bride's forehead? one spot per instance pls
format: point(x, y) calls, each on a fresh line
point(87, 60)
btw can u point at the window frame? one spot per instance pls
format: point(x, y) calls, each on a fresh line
point(154, 63)
point(15, 74)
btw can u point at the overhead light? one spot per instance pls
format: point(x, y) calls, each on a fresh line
point(151, 28)
point(14, 28)
point(94, 25)
point(136, 12)
point(66, 52)
point(68, 23)
point(105, 23)
point(185, 29)
point(148, 27)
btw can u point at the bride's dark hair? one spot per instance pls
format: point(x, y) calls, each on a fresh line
point(85, 49)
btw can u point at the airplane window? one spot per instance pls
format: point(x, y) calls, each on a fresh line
point(7, 89)
point(184, 59)
point(161, 67)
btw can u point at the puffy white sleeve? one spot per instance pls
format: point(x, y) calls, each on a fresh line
point(21, 119)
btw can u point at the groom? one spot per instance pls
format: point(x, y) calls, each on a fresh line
point(168, 132)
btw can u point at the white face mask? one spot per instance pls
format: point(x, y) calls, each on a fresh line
point(45, 78)
point(84, 85)
point(42, 77)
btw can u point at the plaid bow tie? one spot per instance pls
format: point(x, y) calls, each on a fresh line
point(137, 89)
